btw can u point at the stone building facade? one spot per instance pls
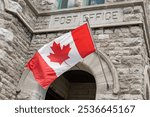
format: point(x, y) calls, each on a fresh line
point(120, 28)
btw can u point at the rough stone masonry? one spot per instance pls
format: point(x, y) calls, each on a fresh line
point(125, 44)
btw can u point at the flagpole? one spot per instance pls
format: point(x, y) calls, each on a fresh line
point(87, 20)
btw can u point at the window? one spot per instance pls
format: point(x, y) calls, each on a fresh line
point(93, 2)
point(62, 4)
point(66, 4)
point(75, 3)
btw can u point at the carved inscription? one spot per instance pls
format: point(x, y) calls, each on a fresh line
point(102, 16)
point(97, 17)
point(66, 19)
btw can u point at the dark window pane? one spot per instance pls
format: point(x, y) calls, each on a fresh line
point(99, 1)
point(64, 4)
point(71, 3)
point(92, 2)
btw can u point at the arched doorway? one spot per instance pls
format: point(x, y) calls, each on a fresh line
point(73, 85)
point(90, 65)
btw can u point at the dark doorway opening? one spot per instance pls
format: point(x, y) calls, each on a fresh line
point(52, 95)
point(73, 85)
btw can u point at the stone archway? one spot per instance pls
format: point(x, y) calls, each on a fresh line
point(91, 65)
point(73, 85)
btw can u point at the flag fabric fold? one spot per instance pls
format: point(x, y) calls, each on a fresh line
point(56, 57)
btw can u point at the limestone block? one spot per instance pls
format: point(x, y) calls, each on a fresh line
point(6, 35)
point(52, 36)
point(39, 37)
point(108, 31)
point(6, 82)
point(12, 82)
point(136, 89)
point(10, 90)
point(135, 50)
point(123, 70)
point(97, 45)
point(130, 97)
point(99, 31)
point(106, 97)
point(131, 60)
point(59, 34)
point(138, 70)
point(129, 17)
point(104, 44)
point(136, 30)
point(103, 36)
point(1, 5)
point(11, 72)
point(125, 30)
point(117, 44)
point(5, 46)
point(118, 32)
point(137, 81)
point(95, 37)
point(3, 97)
point(116, 61)
point(138, 9)
point(2, 53)
point(124, 90)
point(130, 42)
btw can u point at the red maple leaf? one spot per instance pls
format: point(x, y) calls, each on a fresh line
point(60, 55)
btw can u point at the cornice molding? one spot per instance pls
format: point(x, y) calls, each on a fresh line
point(90, 8)
point(104, 6)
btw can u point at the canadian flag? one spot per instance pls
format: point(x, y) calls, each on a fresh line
point(56, 57)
